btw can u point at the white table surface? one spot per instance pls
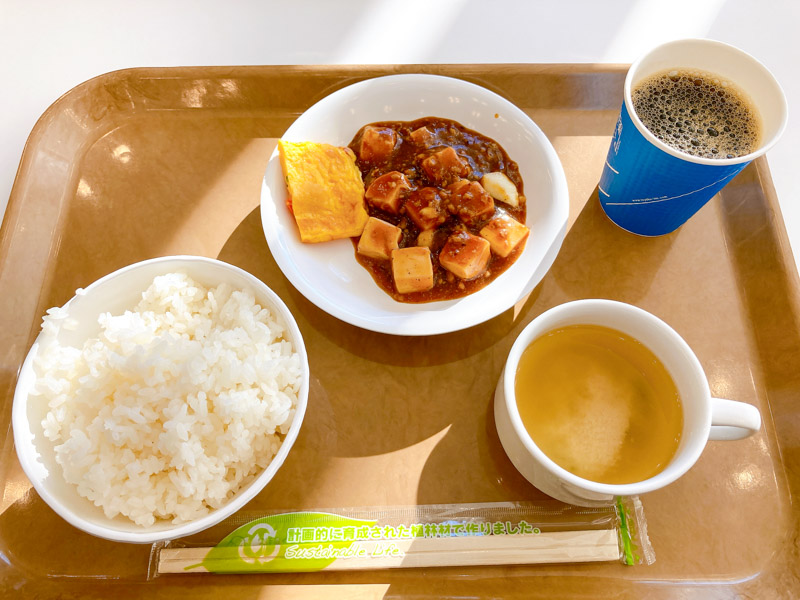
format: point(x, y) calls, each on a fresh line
point(48, 46)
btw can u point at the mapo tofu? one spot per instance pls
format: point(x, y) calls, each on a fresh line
point(469, 202)
point(379, 239)
point(386, 192)
point(465, 255)
point(455, 202)
point(412, 270)
point(377, 144)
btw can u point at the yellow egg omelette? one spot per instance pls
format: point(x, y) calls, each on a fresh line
point(326, 192)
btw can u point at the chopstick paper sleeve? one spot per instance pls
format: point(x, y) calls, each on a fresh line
point(407, 537)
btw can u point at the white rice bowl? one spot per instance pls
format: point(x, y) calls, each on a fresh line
point(168, 411)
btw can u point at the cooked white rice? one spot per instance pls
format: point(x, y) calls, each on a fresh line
point(175, 406)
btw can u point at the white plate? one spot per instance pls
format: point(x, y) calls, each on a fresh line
point(328, 273)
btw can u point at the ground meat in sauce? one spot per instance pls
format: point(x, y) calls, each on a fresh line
point(415, 155)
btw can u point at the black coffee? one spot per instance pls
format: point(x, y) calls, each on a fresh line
point(698, 113)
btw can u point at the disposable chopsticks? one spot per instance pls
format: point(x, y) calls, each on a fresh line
point(546, 547)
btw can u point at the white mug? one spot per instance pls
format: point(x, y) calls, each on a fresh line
point(704, 418)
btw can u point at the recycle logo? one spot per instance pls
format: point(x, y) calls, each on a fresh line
point(260, 545)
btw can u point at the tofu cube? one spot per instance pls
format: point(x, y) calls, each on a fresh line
point(445, 166)
point(469, 201)
point(386, 192)
point(425, 208)
point(421, 137)
point(504, 233)
point(412, 269)
point(465, 255)
point(379, 239)
point(377, 144)
point(501, 188)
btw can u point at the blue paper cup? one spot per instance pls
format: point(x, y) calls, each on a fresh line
point(650, 188)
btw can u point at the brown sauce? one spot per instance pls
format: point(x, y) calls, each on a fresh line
point(484, 155)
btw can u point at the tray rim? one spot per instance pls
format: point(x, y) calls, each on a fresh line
point(346, 75)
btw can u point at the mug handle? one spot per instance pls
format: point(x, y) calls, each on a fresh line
point(733, 420)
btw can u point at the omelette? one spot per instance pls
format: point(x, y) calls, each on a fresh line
point(326, 192)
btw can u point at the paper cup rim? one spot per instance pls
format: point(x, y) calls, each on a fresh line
point(719, 162)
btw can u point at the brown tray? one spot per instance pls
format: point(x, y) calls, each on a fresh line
point(150, 162)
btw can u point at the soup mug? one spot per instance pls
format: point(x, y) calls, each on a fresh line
point(704, 417)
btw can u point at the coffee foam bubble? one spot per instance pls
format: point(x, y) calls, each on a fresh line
point(698, 113)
